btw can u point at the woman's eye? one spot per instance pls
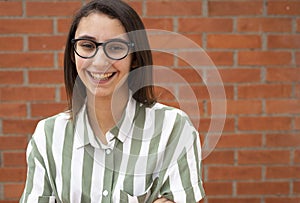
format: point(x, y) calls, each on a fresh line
point(87, 45)
point(116, 48)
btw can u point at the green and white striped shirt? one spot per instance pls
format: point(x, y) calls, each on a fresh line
point(152, 152)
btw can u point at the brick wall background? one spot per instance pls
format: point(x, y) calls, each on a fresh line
point(255, 45)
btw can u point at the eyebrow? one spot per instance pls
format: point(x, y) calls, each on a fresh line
point(87, 37)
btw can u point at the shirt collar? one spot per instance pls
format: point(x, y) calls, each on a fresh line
point(85, 134)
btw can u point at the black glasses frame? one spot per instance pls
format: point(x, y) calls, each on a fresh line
point(130, 45)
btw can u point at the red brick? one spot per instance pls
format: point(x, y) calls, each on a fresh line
point(297, 91)
point(191, 108)
point(283, 74)
point(297, 187)
point(46, 76)
point(264, 123)
point(12, 174)
point(63, 95)
point(282, 172)
point(195, 39)
point(235, 8)
point(13, 142)
point(11, 77)
point(283, 106)
point(9, 201)
point(264, 24)
point(190, 75)
point(264, 58)
point(284, 41)
point(194, 58)
point(167, 42)
point(19, 126)
point(26, 26)
point(298, 25)
point(240, 141)
point(161, 23)
point(235, 200)
point(297, 156)
point(264, 91)
point(236, 107)
point(13, 159)
point(9, 110)
point(220, 157)
point(262, 188)
point(60, 59)
point(235, 75)
point(283, 140)
point(11, 43)
point(11, 9)
point(13, 191)
point(205, 25)
point(47, 109)
point(16, 60)
point(263, 157)
point(297, 58)
point(67, 8)
point(220, 58)
point(297, 124)
point(162, 59)
point(290, 7)
point(234, 173)
point(205, 124)
point(233, 41)
point(63, 25)
point(218, 188)
point(27, 94)
point(166, 8)
point(137, 6)
point(47, 43)
point(282, 199)
point(201, 92)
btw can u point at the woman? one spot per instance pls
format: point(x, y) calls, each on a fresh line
point(115, 143)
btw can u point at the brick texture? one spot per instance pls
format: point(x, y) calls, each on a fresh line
point(255, 47)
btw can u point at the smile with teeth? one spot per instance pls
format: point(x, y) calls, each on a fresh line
point(101, 76)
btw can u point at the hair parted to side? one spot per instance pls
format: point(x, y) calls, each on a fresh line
point(140, 81)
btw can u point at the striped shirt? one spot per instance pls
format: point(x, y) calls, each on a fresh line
point(152, 152)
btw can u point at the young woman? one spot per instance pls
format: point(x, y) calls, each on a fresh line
point(115, 143)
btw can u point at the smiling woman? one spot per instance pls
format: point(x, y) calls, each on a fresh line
point(115, 143)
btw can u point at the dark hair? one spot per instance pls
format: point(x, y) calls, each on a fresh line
point(140, 82)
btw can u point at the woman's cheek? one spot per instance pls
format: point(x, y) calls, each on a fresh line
point(78, 62)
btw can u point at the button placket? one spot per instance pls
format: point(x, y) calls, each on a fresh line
point(108, 175)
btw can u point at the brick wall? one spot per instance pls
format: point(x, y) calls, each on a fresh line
point(255, 45)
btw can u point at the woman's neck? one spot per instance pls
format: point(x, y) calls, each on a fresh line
point(105, 112)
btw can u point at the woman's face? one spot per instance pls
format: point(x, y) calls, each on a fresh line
point(100, 74)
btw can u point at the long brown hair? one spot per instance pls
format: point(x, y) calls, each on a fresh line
point(140, 81)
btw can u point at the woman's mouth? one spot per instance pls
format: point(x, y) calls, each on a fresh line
point(101, 76)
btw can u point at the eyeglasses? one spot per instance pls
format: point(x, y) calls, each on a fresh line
point(115, 49)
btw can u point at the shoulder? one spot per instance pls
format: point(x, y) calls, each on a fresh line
point(47, 126)
point(170, 120)
point(170, 112)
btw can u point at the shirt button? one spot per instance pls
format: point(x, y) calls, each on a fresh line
point(108, 151)
point(105, 193)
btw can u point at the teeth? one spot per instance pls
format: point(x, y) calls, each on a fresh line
point(102, 76)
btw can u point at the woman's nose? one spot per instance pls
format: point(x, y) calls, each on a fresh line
point(100, 59)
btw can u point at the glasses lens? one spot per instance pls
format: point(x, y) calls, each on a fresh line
point(116, 50)
point(85, 48)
